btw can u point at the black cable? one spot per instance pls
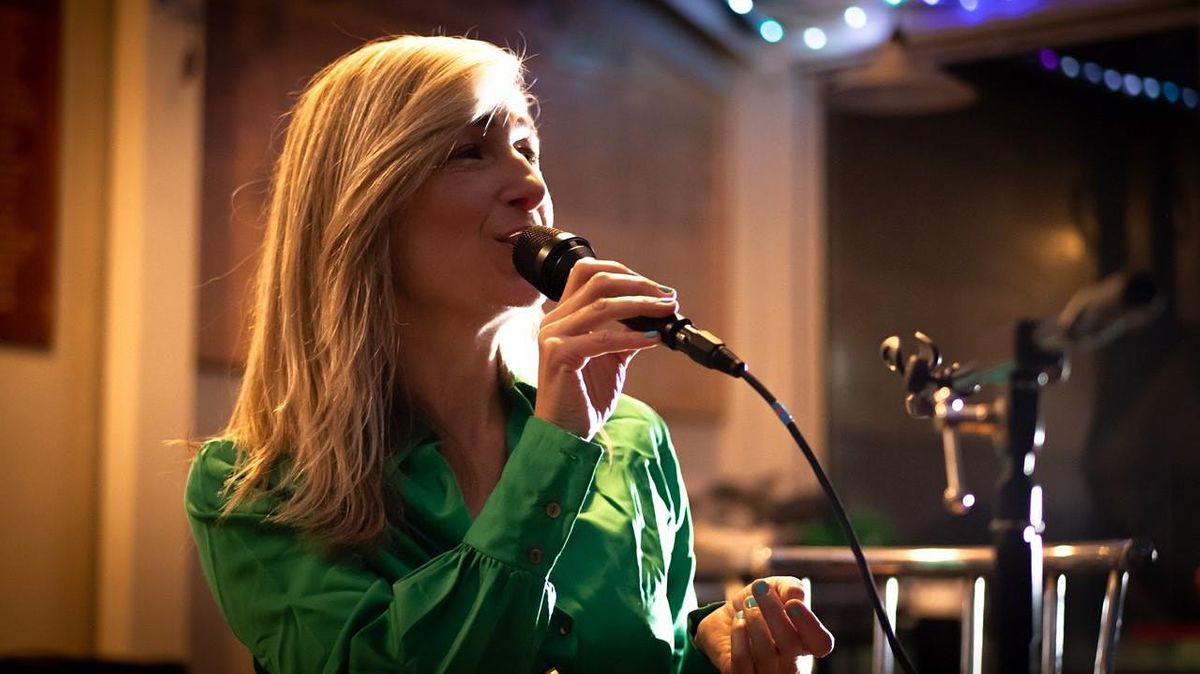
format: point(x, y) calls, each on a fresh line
point(843, 520)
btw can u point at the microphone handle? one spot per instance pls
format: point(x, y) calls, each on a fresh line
point(647, 323)
point(680, 334)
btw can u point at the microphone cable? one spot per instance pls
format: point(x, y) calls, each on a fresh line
point(840, 511)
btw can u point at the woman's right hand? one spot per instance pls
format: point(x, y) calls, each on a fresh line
point(584, 352)
point(763, 629)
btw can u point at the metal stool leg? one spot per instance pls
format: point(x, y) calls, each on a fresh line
point(883, 662)
point(970, 654)
point(1110, 620)
point(1054, 594)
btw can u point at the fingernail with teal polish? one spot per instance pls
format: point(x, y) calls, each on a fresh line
point(650, 334)
point(760, 587)
point(751, 602)
point(794, 611)
point(741, 615)
point(666, 289)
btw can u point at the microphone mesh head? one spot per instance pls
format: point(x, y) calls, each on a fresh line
point(528, 248)
point(544, 257)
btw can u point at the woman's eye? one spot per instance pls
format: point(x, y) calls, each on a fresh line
point(529, 153)
point(469, 151)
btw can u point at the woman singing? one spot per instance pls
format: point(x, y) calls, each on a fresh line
point(388, 495)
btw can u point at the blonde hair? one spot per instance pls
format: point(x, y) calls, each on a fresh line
point(318, 408)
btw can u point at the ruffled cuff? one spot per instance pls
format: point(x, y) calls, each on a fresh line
point(694, 660)
point(528, 517)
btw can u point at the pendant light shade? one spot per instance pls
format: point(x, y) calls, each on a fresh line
point(895, 82)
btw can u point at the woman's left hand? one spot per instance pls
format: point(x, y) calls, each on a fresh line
point(584, 351)
point(763, 629)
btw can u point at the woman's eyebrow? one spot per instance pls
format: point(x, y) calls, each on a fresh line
point(517, 120)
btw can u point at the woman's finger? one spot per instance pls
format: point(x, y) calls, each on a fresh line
point(608, 283)
point(585, 269)
point(606, 310)
point(762, 646)
point(788, 587)
point(739, 646)
point(787, 638)
point(571, 353)
point(817, 640)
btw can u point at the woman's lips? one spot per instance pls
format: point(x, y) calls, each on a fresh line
point(511, 239)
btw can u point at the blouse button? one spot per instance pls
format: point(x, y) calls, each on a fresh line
point(535, 555)
point(553, 510)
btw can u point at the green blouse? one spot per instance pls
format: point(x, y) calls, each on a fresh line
point(578, 561)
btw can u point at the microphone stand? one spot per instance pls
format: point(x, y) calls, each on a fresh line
point(1095, 315)
point(1017, 523)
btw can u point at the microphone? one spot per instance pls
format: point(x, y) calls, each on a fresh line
point(544, 256)
point(1100, 313)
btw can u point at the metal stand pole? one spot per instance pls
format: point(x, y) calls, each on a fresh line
point(1017, 524)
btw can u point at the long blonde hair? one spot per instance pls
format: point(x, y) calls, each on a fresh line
point(317, 407)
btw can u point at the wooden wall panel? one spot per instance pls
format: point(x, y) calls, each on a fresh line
point(29, 91)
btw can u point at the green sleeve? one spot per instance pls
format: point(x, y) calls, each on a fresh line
point(485, 602)
point(682, 570)
point(694, 660)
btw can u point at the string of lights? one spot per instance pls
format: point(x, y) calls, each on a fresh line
point(771, 30)
point(1132, 85)
point(768, 28)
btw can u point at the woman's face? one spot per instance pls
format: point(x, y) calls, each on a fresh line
point(453, 251)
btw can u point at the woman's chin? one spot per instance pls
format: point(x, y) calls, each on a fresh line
point(518, 293)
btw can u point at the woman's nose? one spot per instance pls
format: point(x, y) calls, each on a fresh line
point(528, 190)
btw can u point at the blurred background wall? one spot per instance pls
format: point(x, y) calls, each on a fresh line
point(678, 141)
point(49, 398)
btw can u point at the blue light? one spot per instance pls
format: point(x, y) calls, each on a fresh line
point(814, 38)
point(741, 6)
point(1048, 59)
point(771, 30)
point(893, 3)
point(1070, 66)
point(1112, 79)
point(931, 3)
point(975, 12)
point(1133, 85)
point(1130, 84)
